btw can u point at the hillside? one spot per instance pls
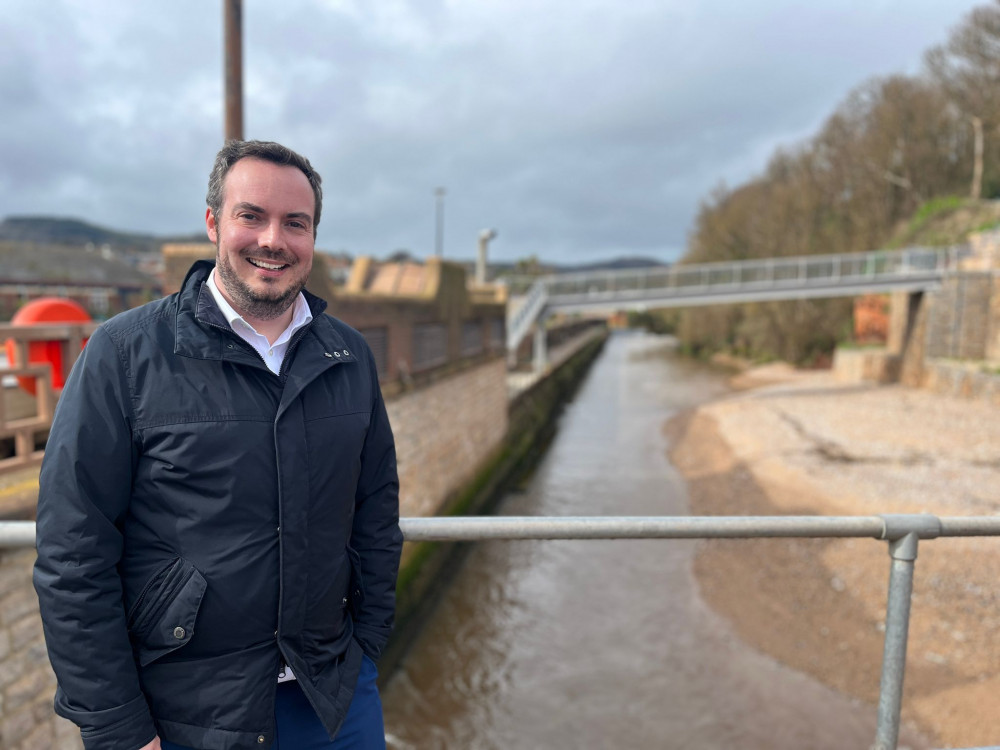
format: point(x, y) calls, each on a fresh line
point(946, 221)
point(48, 230)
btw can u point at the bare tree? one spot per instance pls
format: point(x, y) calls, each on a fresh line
point(967, 67)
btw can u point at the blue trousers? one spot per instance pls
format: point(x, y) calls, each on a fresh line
point(298, 727)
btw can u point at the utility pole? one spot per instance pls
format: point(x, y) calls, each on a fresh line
point(439, 224)
point(233, 28)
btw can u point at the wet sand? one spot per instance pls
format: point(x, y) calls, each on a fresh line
point(790, 442)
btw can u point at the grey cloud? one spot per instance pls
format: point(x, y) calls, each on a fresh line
point(578, 129)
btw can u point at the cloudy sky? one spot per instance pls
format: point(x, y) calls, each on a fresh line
point(579, 129)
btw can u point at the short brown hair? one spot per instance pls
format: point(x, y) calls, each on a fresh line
point(275, 153)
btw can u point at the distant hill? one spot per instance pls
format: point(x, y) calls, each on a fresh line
point(615, 264)
point(48, 230)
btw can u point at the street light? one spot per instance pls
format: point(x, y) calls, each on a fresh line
point(439, 224)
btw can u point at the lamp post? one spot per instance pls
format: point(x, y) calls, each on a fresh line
point(439, 222)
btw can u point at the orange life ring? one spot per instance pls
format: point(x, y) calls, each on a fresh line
point(45, 310)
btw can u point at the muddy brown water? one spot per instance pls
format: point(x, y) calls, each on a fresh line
point(604, 644)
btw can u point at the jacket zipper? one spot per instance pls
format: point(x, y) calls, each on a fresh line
point(293, 342)
point(282, 374)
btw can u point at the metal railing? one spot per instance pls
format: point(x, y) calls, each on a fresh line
point(521, 318)
point(901, 532)
point(795, 277)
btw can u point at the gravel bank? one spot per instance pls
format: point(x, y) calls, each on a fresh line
point(801, 443)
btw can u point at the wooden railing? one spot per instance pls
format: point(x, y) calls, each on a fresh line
point(26, 418)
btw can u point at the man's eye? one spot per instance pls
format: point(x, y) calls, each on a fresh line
point(247, 217)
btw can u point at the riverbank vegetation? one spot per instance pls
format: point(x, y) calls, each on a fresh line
point(902, 161)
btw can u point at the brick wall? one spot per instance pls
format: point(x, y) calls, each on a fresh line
point(26, 680)
point(445, 432)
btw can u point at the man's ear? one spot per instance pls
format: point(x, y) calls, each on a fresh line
point(210, 226)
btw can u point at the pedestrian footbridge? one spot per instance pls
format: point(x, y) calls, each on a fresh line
point(800, 277)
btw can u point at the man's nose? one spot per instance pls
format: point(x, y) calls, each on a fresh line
point(271, 235)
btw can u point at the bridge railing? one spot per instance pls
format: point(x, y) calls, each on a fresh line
point(520, 319)
point(903, 533)
point(795, 270)
point(736, 281)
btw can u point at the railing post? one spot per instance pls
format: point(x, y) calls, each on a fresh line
point(897, 625)
point(541, 356)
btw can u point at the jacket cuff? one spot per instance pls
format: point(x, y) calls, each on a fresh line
point(126, 727)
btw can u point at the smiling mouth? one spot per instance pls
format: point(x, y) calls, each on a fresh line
point(263, 264)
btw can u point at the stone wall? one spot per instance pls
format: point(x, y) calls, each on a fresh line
point(959, 322)
point(993, 336)
point(874, 365)
point(445, 432)
point(26, 680)
point(963, 380)
point(913, 349)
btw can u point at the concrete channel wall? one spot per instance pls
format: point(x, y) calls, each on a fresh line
point(445, 432)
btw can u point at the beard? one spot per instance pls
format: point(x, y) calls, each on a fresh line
point(259, 305)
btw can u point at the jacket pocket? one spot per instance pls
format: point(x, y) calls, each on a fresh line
point(356, 594)
point(163, 618)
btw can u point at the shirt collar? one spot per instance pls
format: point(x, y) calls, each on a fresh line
point(300, 312)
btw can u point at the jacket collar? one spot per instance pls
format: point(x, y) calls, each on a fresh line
point(201, 331)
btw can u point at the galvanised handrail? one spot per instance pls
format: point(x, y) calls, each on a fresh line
point(521, 320)
point(902, 532)
point(792, 277)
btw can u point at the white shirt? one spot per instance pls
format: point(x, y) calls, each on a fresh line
point(273, 354)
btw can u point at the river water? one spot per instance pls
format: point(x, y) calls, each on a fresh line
point(604, 644)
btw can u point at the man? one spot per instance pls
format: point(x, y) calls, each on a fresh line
point(218, 505)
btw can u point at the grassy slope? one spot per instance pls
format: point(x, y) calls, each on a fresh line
point(946, 221)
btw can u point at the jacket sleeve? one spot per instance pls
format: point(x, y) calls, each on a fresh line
point(84, 489)
point(376, 536)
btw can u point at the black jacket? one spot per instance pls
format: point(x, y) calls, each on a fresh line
point(200, 517)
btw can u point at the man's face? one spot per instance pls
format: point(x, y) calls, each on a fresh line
point(263, 237)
